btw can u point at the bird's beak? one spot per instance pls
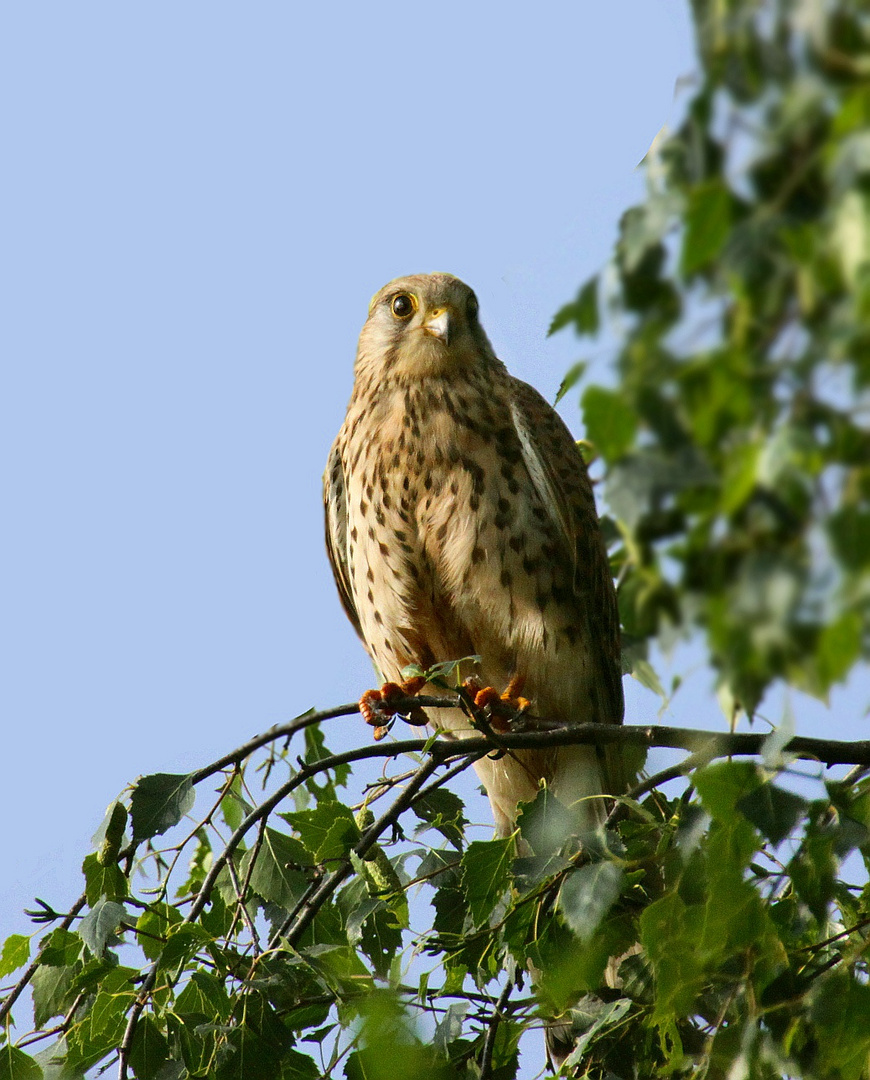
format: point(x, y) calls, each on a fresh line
point(438, 325)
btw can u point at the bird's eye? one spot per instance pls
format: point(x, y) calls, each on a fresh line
point(473, 306)
point(403, 305)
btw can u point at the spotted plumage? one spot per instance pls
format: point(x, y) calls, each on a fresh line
point(460, 520)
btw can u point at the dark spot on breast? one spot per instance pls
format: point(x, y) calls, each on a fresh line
point(383, 547)
point(504, 515)
point(477, 474)
point(477, 554)
point(378, 618)
point(506, 578)
point(353, 533)
point(516, 542)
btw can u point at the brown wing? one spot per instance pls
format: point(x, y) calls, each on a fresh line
point(335, 509)
point(559, 474)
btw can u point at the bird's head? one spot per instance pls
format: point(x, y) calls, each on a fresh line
point(424, 324)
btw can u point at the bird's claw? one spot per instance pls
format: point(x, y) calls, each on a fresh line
point(377, 710)
point(501, 708)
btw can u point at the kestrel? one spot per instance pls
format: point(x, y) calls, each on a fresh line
point(460, 521)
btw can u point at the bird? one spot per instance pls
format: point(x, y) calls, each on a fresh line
point(461, 522)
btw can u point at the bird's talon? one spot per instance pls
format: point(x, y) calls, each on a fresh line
point(374, 705)
point(501, 707)
point(487, 696)
point(368, 706)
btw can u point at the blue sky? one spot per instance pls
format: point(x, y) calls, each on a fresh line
point(199, 200)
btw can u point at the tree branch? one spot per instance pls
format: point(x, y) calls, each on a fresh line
point(17, 990)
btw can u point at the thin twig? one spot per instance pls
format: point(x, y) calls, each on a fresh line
point(18, 989)
point(368, 839)
point(238, 889)
point(489, 1042)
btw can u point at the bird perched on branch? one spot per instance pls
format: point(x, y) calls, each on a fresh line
point(460, 521)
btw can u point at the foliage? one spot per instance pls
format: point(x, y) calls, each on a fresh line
point(367, 936)
point(736, 444)
point(275, 915)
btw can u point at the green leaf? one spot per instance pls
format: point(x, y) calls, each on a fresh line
point(15, 954)
point(184, 942)
point(849, 530)
point(158, 802)
point(545, 823)
point(278, 874)
point(678, 968)
point(740, 475)
point(485, 875)
point(154, 926)
point(444, 811)
point(341, 837)
point(839, 647)
point(296, 1066)
point(722, 785)
point(149, 1049)
point(103, 1028)
point(97, 928)
point(610, 423)
point(380, 939)
point(110, 835)
point(635, 663)
point(582, 312)
point(204, 995)
point(708, 223)
point(50, 986)
point(317, 830)
point(572, 377)
point(841, 1016)
point(588, 894)
point(316, 750)
point(103, 880)
point(16, 1065)
point(773, 811)
point(60, 948)
point(590, 1018)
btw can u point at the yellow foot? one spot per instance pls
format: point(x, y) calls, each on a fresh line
point(375, 705)
point(502, 707)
